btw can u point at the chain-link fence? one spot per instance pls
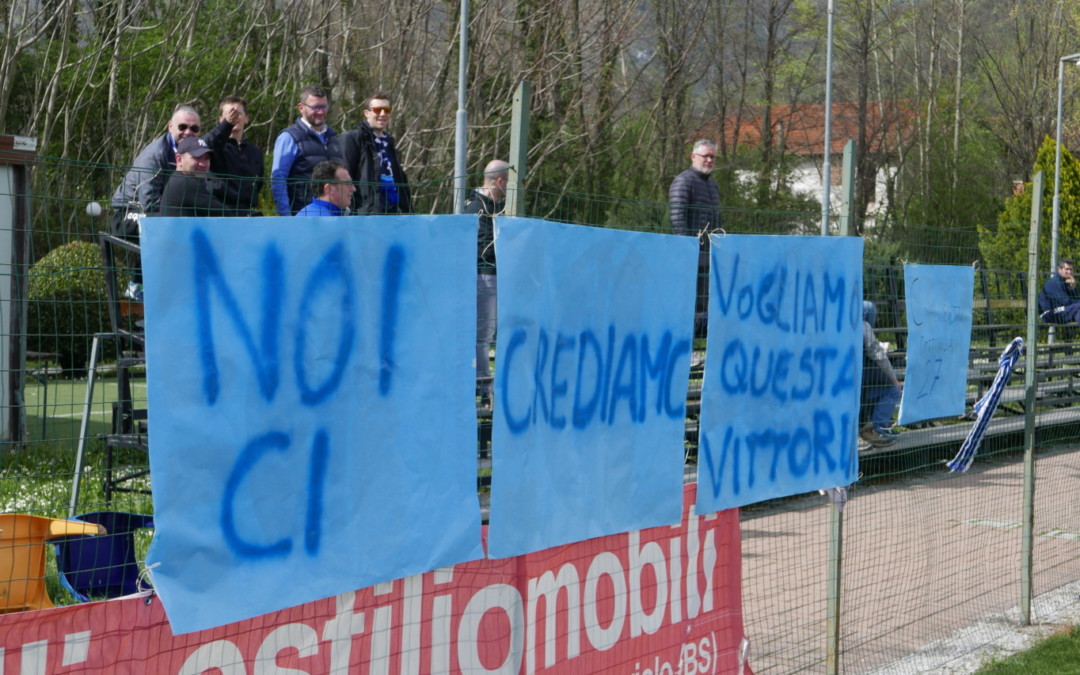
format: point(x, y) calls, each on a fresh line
point(930, 561)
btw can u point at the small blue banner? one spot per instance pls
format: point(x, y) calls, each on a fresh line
point(939, 301)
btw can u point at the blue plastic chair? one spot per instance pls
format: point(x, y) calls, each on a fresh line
point(102, 567)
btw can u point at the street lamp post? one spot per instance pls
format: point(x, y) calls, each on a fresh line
point(1056, 218)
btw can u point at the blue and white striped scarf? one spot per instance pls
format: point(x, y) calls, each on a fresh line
point(986, 406)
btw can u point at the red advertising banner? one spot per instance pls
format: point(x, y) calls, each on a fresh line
point(662, 601)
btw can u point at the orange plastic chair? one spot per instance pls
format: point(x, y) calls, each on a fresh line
point(22, 557)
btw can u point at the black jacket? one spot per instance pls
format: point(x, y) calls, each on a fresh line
point(188, 195)
point(239, 168)
point(485, 207)
point(362, 161)
point(695, 203)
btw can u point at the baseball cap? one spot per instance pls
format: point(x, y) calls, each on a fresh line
point(196, 147)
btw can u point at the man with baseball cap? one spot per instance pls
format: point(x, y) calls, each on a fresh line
point(189, 191)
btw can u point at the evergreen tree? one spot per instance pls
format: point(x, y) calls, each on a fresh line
point(1005, 246)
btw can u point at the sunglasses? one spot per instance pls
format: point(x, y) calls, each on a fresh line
point(317, 108)
point(378, 110)
point(184, 127)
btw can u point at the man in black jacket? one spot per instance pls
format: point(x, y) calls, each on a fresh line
point(487, 202)
point(372, 161)
point(695, 211)
point(189, 191)
point(237, 163)
point(694, 196)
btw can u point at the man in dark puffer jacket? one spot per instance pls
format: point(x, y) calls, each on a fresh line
point(372, 161)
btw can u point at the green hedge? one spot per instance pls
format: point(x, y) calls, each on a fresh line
point(67, 304)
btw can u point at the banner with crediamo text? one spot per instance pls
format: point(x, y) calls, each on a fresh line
point(661, 600)
point(592, 366)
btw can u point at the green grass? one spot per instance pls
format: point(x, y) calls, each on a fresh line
point(54, 408)
point(1058, 653)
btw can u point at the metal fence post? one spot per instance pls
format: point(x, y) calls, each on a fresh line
point(847, 192)
point(1031, 362)
point(519, 151)
point(837, 498)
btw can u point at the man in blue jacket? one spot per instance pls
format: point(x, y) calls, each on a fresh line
point(335, 190)
point(299, 148)
point(1059, 300)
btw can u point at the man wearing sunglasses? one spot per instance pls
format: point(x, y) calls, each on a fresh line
point(141, 188)
point(299, 149)
point(371, 159)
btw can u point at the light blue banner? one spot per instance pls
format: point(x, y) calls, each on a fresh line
point(780, 401)
point(311, 404)
point(939, 337)
point(592, 367)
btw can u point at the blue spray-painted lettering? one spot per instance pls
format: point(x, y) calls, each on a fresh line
point(333, 267)
point(517, 425)
point(662, 370)
point(765, 372)
point(845, 379)
point(325, 337)
point(393, 270)
point(723, 299)
point(583, 413)
point(824, 433)
point(249, 456)
point(266, 355)
point(855, 301)
point(603, 379)
point(320, 459)
point(834, 293)
point(559, 387)
point(809, 304)
point(767, 298)
point(818, 450)
point(625, 384)
point(797, 467)
point(538, 384)
point(681, 348)
point(928, 384)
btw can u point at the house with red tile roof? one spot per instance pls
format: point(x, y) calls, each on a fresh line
point(798, 131)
